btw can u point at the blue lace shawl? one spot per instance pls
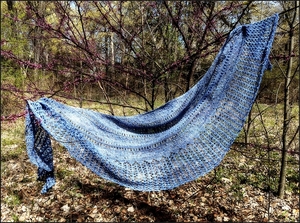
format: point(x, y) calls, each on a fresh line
point(171, 145)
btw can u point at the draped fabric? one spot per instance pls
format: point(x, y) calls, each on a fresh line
point(171, 145)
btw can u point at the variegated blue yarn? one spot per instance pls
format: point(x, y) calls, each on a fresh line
point(171, 145)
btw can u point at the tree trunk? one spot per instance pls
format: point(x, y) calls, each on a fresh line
point(37, 43)
point(287, 107)
point(191, 75)
point(247, 128)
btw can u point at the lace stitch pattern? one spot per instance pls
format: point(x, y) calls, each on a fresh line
point(171, 145)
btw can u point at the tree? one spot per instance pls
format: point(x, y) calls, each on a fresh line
point(122, 47)
point(291, 20)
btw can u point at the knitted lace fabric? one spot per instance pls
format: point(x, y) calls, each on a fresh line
point(171, 145)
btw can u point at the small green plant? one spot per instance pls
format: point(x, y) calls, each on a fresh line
point(63, 173)
point(219, 173)
point(12, 200)
point(15, 218)
point(238, 194)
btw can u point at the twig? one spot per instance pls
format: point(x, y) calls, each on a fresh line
point(281, 13)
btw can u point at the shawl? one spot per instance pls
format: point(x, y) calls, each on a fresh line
point(174, 144)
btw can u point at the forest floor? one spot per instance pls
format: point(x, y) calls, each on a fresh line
point(242, 188)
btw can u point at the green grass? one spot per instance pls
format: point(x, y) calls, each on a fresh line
point(267, 123)
point(12, 152)
point(12, 139)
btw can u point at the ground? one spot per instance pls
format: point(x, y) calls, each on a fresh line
point(241, 188)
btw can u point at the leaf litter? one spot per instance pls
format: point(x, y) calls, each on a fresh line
point(81, 196)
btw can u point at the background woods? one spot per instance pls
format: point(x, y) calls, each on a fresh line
point(100, 51)
point(129, 57)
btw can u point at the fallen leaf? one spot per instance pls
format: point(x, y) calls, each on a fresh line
point(65, 208)
point(130, 209)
